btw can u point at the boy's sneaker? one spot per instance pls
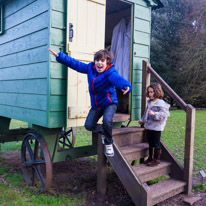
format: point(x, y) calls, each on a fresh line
point(103, 138)
point(109, 152)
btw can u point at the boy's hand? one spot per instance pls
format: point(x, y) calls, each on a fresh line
point(150, 112)
point(125, 90)
point(53, 53)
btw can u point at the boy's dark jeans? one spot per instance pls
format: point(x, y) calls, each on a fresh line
point(106, 129)
point(154, 139)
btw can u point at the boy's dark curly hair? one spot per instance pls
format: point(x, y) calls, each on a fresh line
point(158, 92)
point(104, 54)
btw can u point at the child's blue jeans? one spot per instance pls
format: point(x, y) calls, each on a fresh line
point(106, 128)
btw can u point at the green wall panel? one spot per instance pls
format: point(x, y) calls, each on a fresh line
point(30, 41)
point(31, 56)
point(26, 13)
point(23, 114)
point(142, 12)
point(58, 20)
point(58, 103)
point(59, 5)
point(24, 61)
point(58, 86)
point(25, 28)
point(141, 50)
point(137, 76)
point(141, 25)
point(29, 86)
point(58, 37)
point(32, 71)
point(13, 6)
point(141, 38)
point(57, 119)
point(28, 101)
point(58, 71)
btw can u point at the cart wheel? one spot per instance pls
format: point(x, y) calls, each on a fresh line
point(36, 162)
point(67, 138)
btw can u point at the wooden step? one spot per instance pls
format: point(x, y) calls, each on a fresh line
point(121, 117)
point(128, 135)
point(166, 189)
point(146, 173)
point(135, 151)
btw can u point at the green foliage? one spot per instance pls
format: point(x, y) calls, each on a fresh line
point(159, 179)
point(17, 124)
point(167, 24)
point(200, 188)
point(191, 66)
point(14, 191)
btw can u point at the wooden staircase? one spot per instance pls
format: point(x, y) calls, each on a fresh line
point(130, 145)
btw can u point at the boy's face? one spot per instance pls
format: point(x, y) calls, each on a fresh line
point(101, 65)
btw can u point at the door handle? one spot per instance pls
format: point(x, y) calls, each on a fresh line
point(71, 32)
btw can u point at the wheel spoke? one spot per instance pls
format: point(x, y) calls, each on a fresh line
point(33, 176)
point(29, 150)
point(33, 163)
point(36, 148)
point(40, 176)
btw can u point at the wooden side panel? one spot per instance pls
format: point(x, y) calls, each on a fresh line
point(141, 51)
point(88, 20)
point(24, 61)
point(58, 72)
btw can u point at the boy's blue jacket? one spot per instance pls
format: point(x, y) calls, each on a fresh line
point(101, 86)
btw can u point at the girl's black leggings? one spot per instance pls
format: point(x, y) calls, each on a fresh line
point(154, 139)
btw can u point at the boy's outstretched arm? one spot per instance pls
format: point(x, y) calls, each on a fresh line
point(70, 62)
point(53, 53)
point(120, 83)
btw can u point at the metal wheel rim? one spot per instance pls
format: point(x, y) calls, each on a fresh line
point(35, 163)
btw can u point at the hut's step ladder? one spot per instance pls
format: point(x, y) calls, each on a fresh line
point(131, 145)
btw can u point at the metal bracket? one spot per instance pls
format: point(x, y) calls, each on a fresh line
point(71, 32)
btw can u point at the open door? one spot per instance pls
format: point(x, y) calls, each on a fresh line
point(85, 36)
point(118, 37)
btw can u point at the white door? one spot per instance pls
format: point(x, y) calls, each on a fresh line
point(85, 36)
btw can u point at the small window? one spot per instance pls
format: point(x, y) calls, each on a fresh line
point(1, 19)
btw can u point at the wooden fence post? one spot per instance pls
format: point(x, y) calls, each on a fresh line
point(101, 168)
point(145, 84)
point(189, 147)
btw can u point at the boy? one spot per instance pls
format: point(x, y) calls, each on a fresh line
point(103, 79)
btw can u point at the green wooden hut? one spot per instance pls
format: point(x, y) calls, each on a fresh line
point(33, 87)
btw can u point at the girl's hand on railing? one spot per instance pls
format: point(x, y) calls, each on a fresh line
point(140, 122)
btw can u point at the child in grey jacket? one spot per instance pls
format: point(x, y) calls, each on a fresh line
point(154, 121)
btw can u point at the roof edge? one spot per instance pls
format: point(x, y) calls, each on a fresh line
point(155, 4)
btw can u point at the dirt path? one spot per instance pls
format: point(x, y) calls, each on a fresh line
point(75, 177)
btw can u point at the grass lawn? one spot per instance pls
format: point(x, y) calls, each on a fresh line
point(14, 192)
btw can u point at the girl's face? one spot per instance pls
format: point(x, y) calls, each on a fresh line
point(151, 93)
point(101, 65)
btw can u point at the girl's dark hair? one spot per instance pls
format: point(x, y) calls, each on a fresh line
point(158, 92)
point(104, 54)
